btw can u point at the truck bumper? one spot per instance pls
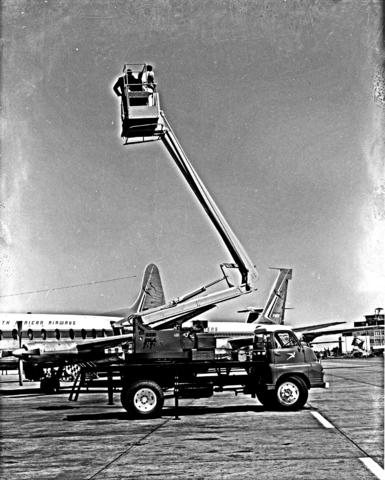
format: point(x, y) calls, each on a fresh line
point(320, 385)
point(271, 386)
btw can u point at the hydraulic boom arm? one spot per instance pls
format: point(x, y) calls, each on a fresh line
point(143, 120)
point(248, 271)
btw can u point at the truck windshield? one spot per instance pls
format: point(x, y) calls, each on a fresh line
point(287, 339)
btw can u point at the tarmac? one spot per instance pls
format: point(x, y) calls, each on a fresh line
point(339, 434)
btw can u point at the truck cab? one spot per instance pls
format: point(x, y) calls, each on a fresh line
point(292, 368)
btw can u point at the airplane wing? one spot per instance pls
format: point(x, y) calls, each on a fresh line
point(309, 328)
point(306, 332)
point(310, 336)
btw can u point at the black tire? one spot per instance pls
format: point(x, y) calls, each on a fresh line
point(142, 399)
point(291, 393)
point(267, 398)
point(49, 385)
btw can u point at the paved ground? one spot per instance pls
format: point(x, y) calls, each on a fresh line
point(340, 434)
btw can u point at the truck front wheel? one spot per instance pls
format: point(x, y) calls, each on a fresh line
point(291, 393)
point(267, 398)
point(142, 399)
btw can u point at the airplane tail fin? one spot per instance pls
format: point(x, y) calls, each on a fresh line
point(274, 310)
point(151, 293)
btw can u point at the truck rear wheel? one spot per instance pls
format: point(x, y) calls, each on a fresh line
point(291, 393)
point(49, 385)
point(143, 399)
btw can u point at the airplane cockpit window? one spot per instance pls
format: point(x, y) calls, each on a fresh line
point(93, 333)
point(30, 334)
point(43, 334)
point(287, 339)
point(83, 333)
point(71, 334)
point(57, 334)
point(14, 334)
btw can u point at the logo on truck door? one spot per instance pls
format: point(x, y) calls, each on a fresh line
point(290, 355)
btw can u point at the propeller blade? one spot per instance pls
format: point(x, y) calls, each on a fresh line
point(20, 362)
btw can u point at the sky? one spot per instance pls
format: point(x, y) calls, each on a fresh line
point(275, 105)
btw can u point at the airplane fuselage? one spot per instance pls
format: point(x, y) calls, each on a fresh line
point(48, 332)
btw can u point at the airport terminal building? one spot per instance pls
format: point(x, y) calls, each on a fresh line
point(374, 337)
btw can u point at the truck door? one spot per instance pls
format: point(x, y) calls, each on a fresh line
point(287, 348)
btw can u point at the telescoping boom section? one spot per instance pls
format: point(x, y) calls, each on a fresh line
point(142, 120)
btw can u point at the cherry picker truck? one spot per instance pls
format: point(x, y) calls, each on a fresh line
point(272, 365)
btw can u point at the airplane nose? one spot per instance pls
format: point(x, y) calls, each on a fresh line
point(18, 352)
point(22, 352)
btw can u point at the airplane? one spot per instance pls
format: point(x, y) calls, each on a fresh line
point(52, 341)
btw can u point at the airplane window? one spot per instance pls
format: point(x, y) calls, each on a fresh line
point(43, 334)
point(83, 333)
point(30, 334)
point(14, 334)
point(57, 334)
point(72, 334)
point(93, 333)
